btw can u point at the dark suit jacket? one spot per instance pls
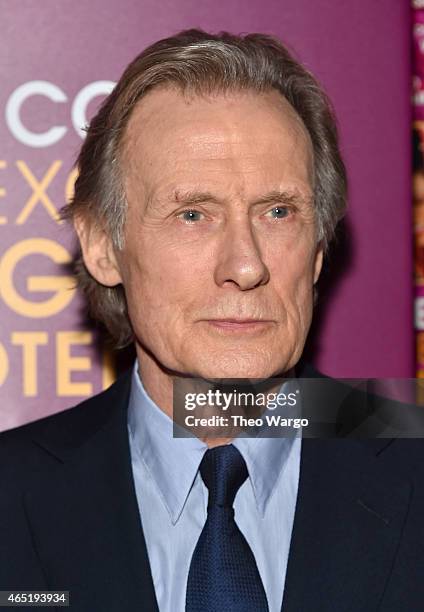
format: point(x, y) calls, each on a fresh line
point(69, 518)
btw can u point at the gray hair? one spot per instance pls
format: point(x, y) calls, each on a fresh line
point(203, 64)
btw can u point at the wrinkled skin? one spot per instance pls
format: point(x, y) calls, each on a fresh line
point(220, 225)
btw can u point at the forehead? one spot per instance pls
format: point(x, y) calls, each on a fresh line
point(226, 134)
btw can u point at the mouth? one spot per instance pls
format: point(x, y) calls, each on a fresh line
point(239, 325)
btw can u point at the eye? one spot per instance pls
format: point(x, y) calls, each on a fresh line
point(190, 216)
point(279, 212)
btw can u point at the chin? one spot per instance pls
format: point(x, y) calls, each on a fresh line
point(239, 368)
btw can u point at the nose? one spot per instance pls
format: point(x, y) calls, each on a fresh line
point(240, 260)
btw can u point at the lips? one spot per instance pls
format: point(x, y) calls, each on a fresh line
point(237, 320)
point(239, 324)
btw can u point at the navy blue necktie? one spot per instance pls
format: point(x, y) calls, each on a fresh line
point(223, 574)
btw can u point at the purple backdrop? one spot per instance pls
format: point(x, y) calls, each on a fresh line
point(359, 50)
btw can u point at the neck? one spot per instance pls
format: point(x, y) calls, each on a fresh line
point(158, 382)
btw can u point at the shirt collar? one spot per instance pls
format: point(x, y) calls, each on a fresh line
point(173, 463)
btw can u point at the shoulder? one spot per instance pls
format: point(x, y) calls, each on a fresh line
point(364, 412)
point(22, 449)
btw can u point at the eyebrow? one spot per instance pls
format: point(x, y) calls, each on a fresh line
point(195, 197)
point(290, 197)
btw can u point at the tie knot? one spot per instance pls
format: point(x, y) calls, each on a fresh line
point(223, 471)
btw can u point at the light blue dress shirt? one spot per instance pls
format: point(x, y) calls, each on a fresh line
point(172, 499)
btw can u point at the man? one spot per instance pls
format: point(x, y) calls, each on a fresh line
point(210, 184)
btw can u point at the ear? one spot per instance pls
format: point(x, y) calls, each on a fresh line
point(319, 258)
point(98, 252)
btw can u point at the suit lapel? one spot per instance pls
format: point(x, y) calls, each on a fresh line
point(348, 522)
point(85, 523)
point(84, 515)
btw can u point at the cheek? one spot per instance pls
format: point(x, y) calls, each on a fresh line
point(293, 276)
point(162, 285)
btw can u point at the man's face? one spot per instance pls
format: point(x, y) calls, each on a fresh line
point(220, 252)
